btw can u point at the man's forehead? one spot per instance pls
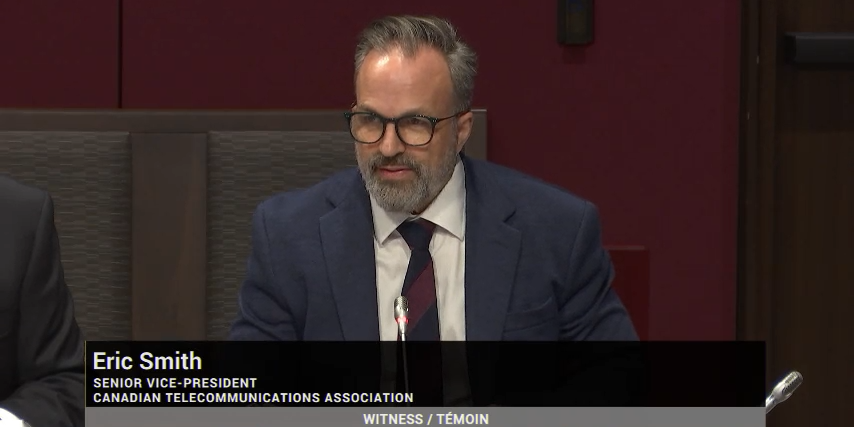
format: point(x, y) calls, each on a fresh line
point(392, 85)
point(408, 52)
point(425, 59)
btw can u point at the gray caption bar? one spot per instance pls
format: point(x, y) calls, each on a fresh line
point(496, 417)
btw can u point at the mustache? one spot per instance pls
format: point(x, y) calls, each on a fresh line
point(380, 161)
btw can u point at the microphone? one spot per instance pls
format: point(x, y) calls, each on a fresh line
point(401, 311)
point(783, 390)
point(7, 419)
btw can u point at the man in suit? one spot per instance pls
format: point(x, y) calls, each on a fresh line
point(483, 253)
point(41, 347)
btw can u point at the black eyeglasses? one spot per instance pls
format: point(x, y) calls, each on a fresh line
point(415, 130)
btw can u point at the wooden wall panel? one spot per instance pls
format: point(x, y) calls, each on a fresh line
point(169, 244)
point(797, 237)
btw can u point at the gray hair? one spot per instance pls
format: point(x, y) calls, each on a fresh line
point(409, 34)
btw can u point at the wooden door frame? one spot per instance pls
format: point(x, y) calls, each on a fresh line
point(757, 172)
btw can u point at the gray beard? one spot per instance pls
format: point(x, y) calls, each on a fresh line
point(407, 197)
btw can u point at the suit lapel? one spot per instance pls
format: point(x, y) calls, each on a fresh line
point(347, 237)
point(492, 254)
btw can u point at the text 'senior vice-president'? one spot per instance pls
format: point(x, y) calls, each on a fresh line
point(481, 251)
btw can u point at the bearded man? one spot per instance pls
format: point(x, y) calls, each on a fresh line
point(482, 253)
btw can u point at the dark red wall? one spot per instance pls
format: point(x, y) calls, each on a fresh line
point(644, 123)
point(59, 53)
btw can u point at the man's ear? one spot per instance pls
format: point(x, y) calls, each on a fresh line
point(464, 125)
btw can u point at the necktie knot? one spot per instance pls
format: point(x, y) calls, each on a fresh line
point(417, 233)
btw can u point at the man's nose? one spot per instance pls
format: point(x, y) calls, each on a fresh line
point(390, 144)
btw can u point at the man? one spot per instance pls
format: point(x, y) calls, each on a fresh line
point(41, 347)
point(482, 253)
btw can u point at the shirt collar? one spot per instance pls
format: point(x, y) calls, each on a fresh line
point(447, 211)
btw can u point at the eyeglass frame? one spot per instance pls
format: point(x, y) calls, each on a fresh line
point(386, 120)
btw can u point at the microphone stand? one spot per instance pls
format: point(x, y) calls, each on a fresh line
point(401, 312)
point(405, 364)
point(770, 403)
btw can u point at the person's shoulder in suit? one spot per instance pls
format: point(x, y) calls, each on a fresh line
point(562, 233)
point(41, 346)
point(536, 202)
point(293, 210)
point(22, 206)
point(524, 186)
point(285, 240)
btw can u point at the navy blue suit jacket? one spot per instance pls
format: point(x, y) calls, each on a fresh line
point(535, 265)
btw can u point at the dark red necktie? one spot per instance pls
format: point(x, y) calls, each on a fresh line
point(419, 286)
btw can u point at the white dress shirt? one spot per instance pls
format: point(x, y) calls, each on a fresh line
point(447, 249)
